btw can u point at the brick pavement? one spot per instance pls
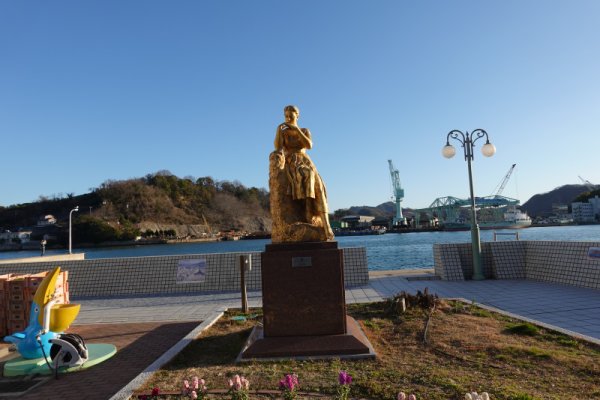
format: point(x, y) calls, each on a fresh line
point(138, 344)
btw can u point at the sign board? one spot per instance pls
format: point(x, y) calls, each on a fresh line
point(301, 261)
point(594, 252)
point(191, 271)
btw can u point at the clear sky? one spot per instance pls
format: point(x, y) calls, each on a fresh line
point(97, 90)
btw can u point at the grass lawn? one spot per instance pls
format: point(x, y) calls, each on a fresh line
point(466, 349)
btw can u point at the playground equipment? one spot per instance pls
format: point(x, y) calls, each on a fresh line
point(43, 345)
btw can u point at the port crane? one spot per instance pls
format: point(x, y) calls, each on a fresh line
point(587, 183)
point(398, 195)
point(498, 189)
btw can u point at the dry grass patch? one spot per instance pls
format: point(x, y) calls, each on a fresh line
point(467, 349)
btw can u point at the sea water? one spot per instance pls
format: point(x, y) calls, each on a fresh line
point(384, 252)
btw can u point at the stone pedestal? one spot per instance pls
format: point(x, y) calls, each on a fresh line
point(304, 305)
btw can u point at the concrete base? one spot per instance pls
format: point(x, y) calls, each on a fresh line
point(52, 258)
point(351, 345)
point(21, 366)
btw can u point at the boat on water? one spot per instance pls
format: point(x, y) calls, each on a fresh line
point(513, 219)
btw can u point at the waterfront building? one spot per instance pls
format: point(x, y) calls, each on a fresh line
point(582, 212)
point(357, 221)
point(595, 202)
point(22, 236)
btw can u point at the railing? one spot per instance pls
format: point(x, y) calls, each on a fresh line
point(496, 234)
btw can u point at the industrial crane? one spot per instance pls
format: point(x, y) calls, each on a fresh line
point(588, 184)
point(398, 195)
point(498, 189)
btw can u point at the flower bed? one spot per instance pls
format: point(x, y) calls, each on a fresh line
point(439, 350)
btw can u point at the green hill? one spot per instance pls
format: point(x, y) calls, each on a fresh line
point(173, 206)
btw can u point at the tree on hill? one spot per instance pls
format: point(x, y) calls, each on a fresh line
point(585, 196)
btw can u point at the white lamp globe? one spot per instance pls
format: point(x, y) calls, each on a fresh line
point(488, 149)
point(448, 151)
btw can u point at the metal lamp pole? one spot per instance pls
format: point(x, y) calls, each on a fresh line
point(467, 141)
point(70, 235)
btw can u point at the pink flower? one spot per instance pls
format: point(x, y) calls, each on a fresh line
point(344, 378)
point(412, 397)
point(401, 396)
point(195, 383)
point(194, 395)
point(289, 382)
point(245, 383)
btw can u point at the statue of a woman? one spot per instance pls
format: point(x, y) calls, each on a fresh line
point(294, 177)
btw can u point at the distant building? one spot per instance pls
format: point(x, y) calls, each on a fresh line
point(595, 202)
point(46, 220)
point(583, 212)
point(22, 236)
point(560, 209)
point(356, 221)
point(382, 222)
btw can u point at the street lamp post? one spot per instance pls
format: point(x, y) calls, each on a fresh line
point(70, 235)
point(467, 141)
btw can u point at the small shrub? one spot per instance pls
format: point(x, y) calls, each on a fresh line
point(479, 312)
point(423, 300)
point(523, 329)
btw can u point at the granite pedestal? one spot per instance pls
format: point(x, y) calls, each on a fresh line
point(304, 306)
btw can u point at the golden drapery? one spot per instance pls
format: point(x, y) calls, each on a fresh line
point(305, 181)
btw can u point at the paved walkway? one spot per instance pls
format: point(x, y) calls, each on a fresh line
point(138, 346)
point(566, 307)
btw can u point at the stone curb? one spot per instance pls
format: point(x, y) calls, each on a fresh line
point(127, 391)
point(533, 321)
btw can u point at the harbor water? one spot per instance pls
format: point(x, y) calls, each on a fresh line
point(384, 252)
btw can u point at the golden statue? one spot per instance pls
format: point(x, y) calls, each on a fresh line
point(298, 195)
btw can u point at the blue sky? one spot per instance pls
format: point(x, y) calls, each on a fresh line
point(99, 90)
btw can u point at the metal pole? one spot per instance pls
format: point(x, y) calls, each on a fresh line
point(70, 239)
point(475, 239)
point(243, 262)
point(70, 235)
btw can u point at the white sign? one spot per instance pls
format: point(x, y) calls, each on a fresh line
point(191, 271)
point(594, 252)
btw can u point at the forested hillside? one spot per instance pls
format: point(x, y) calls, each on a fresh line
point(120, 210)
point(541, 204)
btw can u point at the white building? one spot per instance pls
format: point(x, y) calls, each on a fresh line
point(583, 212)
point(15, 237)
point(46, 220)
point(595, 202)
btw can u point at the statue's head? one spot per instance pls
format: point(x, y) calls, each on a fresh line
point(291, 113)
